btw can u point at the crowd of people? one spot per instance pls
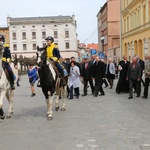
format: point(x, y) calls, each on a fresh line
point(93, 71)
point(96, 72)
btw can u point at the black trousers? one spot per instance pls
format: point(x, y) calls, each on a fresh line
point(134, 84)
point(105, 82)
point(147, 81)
point(86, 84)
point(10, 72)
point(98, 87)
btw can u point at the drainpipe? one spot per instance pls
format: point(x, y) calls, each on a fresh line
point(121, 30)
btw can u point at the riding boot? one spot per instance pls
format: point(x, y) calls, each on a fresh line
point(39, 81)
point(11, 80)
point(62, 80)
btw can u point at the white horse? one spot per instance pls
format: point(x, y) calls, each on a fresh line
point(5, 89)
point(50, 83)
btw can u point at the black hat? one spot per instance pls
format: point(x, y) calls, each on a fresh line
point(50, 38)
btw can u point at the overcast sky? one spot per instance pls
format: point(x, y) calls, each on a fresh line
point(85, 12)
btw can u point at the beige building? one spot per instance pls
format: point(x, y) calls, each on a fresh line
point(108, 19)
point(28, 32)
point(135, 30)
point(5, 31)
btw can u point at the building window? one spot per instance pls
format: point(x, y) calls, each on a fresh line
point(33, 35)
point(43, 26)
point(23, 26)
point(33, 26)
point(55, 25)
point(23, 35)
point(67, 45)
point(14, 36)
point(43, 35)
point(34, 46)
point(14, 47)
point(55, 34)
point(44, 44)
point(24, 46)
point(66, 34)
point(66, 25)
point(13, 26)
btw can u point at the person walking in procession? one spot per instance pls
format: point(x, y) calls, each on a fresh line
point(147, 77)
point(74, 80)
point(134, 76)
point(32, 74)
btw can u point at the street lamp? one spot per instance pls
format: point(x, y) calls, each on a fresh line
point(102, 41)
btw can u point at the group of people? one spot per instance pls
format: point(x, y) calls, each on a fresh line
point(131, 76)
point(94, 71)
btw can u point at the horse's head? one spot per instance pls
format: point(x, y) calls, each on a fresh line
point(41, 57)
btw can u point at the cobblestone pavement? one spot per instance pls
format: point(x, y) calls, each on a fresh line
point(110, 122)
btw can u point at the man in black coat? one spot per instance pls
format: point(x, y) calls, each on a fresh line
point(142, 63)
point(123, 84)
point(98, 74)
point(86, 74)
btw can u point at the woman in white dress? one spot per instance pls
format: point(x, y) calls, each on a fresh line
point(74, 80)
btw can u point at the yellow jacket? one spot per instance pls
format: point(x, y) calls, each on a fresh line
point(52, 53)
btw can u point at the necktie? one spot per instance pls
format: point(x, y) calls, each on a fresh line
point(86, 65)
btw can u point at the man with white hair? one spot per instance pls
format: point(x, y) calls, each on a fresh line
point(134, 76)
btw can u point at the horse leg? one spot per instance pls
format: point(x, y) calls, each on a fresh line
point(2, 95)
point(50, 107)
point(9, 96)
point(57, 99)
point(64, 95)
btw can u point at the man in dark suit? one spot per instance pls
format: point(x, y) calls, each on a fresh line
point(86, 74)
point(134, 76)
point(142, 63)
point(98, 74)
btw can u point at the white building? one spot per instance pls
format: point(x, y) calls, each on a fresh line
point(26, 33)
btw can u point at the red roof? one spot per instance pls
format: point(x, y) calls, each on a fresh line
point(92, 46)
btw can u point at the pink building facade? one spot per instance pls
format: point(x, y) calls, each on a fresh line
point(108, 19)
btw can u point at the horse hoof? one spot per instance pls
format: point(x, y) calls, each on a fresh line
point(11, 113)
point(8, 117)
point(49, 118)
point(57, 108)
point(2, 117)
point(63, 109)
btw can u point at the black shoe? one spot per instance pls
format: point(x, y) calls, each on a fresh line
point(102, 94)
point(105, 86)
point(95, 95)
point(33, 94)
point(130, 97)
point(12, 87)
point(138, 96)
point(84, 94)
point(118, 92)
point(144, 97)
point(77, 97)
point(18, 85)
point(39, 84)
point(63, 82)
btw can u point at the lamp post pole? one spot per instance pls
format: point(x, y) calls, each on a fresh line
point(102, 42)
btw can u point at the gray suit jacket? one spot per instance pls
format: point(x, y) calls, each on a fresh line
point(134, 73)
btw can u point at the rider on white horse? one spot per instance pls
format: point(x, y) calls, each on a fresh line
point(5, 61)
point(53, 53)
